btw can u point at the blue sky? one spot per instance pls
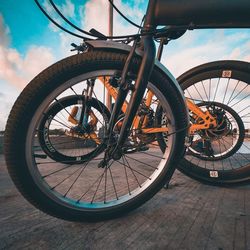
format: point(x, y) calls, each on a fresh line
point(29, 43)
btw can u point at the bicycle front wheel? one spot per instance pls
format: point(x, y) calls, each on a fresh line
point(219, 155)
point(64, 178)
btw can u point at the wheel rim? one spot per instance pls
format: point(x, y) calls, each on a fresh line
point(84, 186)
point(58, 131)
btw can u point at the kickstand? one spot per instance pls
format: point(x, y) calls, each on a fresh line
point(166, 186)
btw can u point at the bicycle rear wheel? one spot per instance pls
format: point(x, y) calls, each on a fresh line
point(76, 186)
point(225, 158)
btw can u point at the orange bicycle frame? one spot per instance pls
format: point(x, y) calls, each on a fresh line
point(204, 118)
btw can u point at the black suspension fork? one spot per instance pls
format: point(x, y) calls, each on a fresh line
point(149, 51)
point(123, 90)
point(140, 86)
point(144, 73)
point(115, 150)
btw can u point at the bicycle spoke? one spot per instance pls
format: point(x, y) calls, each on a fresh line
point(52, 188)
point(65, 162)
point(126, 174)
point(242, 155)
point(105, 186)
point(113, 182)
point(61, 119)
point(190, 95)
point(62, 123)
point(240, 101)
point(198, 92)
point(79, 97)
point(132, 171)
point(238, 94)
point(233, 92)
point(102, 108)
point(246, 146)
point(136, 171)
point(216, 89)
point(204, 89)
point(209, 89)
point(152, 155)
point(221, 154)
point(76, 179)
point(246, 115)
point(63, 107)
point(59, 170)
point(98, 185)
point(99, 177)
point(141, 162)
point(226, 90)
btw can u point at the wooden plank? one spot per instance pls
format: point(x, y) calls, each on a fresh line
point(246, 216)
point(224, 230)
point(188, 215)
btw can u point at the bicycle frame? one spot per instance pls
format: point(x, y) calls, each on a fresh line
point(207, 120)
point(157, 14)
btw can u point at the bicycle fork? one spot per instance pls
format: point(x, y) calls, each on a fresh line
point(140, 86)
point(138, 89)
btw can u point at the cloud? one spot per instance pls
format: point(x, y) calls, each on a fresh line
point(51, 12)
point(242, 52)
point(4, 31)
point(200, 47)
point(18, 70)
point(5, 108)
point(194, 48)
point(95, 14)
point(68, 9)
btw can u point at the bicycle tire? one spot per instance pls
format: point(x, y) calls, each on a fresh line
point(27, 113)
point(235, 169)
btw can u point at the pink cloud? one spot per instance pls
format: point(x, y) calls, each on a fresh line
point(95, 14)
point(18, 70)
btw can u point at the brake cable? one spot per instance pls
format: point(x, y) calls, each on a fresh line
point(156, 33)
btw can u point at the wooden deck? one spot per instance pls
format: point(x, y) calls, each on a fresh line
point(188, 215)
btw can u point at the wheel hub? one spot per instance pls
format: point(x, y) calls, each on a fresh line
point(223, 125)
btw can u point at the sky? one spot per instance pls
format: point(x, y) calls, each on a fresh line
point(29, 42)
